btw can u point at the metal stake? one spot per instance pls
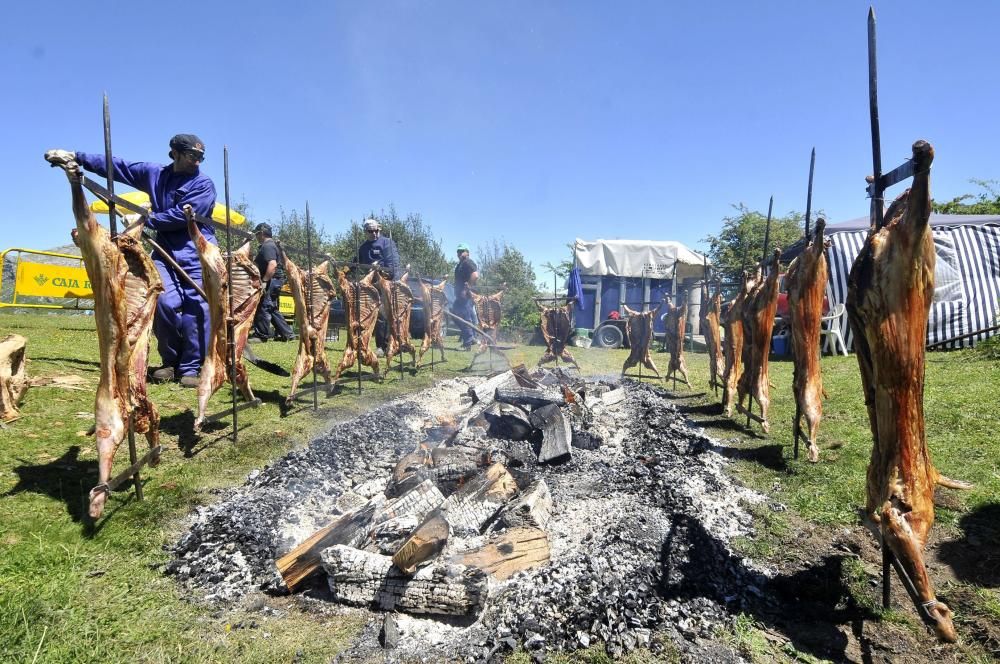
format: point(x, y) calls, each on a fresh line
point(809, 193)
point(886, 578)
point(110, 168)
point(312, 278)
point(230, 325)
point(876, 190)
point(767, 232)
point(136, 480)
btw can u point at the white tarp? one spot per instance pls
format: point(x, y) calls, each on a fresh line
point(638, 258)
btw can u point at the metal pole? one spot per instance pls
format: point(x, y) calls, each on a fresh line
point(886, 579)
point(312, 277)
point(230, 326)
point(110, 167)
point(767, 231)
point(877, 202)
point(809, 193)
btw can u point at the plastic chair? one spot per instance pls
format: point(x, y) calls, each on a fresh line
point(830, 330)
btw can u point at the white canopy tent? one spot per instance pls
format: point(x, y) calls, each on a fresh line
point(652, 259)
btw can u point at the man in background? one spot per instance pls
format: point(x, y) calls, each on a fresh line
point(381, 251)
point(271, 264)
point(466, 276)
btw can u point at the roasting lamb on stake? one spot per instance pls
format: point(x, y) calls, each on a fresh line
point(361, 304)
point(806, 279)
point(489, 312)
point(711, 319)
point(397, 306)
point(435, 303)
point(889, 296)
point(126, 286)
point(758, 323)
point(557, 326)
point(639, 332)
point(733, 320)
point(312, 292)
point(676, 317)
point(247, 291)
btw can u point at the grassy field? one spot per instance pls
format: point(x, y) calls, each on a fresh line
point(70, 592)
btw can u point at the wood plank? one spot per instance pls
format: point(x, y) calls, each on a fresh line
point(557, 435)
point(532, 508)
point(529, 397)
point(516, 550)
point(478, 500)
point(424, 543)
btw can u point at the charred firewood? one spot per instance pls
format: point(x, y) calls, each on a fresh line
point(397, 305)
point(675, 322)
point(557, 326)
point(435, 303)
point(361, 304)
point(889, 296)
point(312, 292)
point(639, 332)
point(806, 279)
point(758, 323)
point(711, 321)
point(557, 436)
point(246, 293)
point(126, 286)
point(526, 396)
point(532, 508)
point(423, 544)
point(13, 378)
point(509, 421)
point(478, 500)
point(504, 555)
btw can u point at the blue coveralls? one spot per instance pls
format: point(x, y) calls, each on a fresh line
point(381, 250)
point(181, 324)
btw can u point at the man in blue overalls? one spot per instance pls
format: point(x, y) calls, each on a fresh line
point(466, 276)
point(181, 324)
point(379, 250)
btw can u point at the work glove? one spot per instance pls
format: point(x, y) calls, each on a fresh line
point(60, 157)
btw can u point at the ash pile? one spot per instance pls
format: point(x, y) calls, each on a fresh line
point(536, 510)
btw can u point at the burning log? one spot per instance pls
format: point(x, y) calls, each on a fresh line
point(890, 289)
point(639, 332)
point(806, 279)
point(758, 323)
point(514, 551)
point(423, 544)
point(361, 305)
point(613, 397)
point(478, 500)
point(312, 292)
point(388, 536)
point(246, 290)
point(557, 435)
point(126, 287)
point(397, 306)
point(676, 317)
point(360, 578)
point(528, 397)
point(509, 421)
point(485, 391)
point(446, 467)
point(13, 378)
point(711, 320)
point(557, 326)
point(435, 303)
point(532, 508)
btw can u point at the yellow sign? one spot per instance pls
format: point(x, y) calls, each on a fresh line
point(286, 305)
point(141, 198)
point(44, 280)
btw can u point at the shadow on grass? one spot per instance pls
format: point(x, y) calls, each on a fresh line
point(67, 479)
point(703, 409)
point(69, 360)
point(975, 557)
point(769, 456)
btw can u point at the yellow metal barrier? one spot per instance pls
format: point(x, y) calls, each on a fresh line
point(47, 280)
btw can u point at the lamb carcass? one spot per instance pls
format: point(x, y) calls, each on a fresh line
point(126, 286)
point(639, 331)
point(758, 323)
point(711, 320)
point(889, 296)
point(435, 303)
point(733, 346)
point(312, 292)
point(489, 312)
point(557, 326)
point(676, 318)
point(246, 293)
point(397, 306)
point(361, 305)
point(806, 279)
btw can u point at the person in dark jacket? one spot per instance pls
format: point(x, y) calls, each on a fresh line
point(381, 251)
point(271, 264)
point(181, 324)
point(466, 276)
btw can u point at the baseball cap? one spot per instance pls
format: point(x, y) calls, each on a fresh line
point(266, 228)
point(463, 246)
point(185, 142)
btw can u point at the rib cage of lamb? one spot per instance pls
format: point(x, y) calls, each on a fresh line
point(397, 306)
point(489, 311)
point(126, 286)
point(557, 326)
point(733, 345)
point(639, 332)
point(246, 293)
point(711, 320)
point(312, 292)
point(434, 306)
point(361, 304)
point(758, 323)
point(889, 296)
point(806, 279)
point(676, 317)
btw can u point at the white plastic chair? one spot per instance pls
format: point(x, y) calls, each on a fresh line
point(830, 330)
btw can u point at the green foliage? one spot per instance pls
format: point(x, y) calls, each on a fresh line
point(501, 263)
point(290, 230)
point(985, 202)
point(740, 243)
point(417, 246)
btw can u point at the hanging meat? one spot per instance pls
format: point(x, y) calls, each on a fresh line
point(557, 326)
point(806, 279)
point(675, 320)
point(711, 320)
point(435, 303)
point(126, 286)
point(758, 323)
point(889, 296)
point(733, 345)
point(489, 312)
point(246, 293)
point(312, 292)
point(639, 331)
point(397, 306)
point(361, 304)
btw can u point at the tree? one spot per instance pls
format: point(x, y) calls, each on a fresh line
point(500, 263)
point(985, 202)
point(417, 246)
point(290, 230)
point(740, 243)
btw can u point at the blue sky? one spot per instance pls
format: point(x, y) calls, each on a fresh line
point(533, 122)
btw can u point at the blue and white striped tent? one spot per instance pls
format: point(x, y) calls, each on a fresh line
point(966, 275)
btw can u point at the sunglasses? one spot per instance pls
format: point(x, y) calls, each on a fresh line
point(371, 230)
point(194, 155)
